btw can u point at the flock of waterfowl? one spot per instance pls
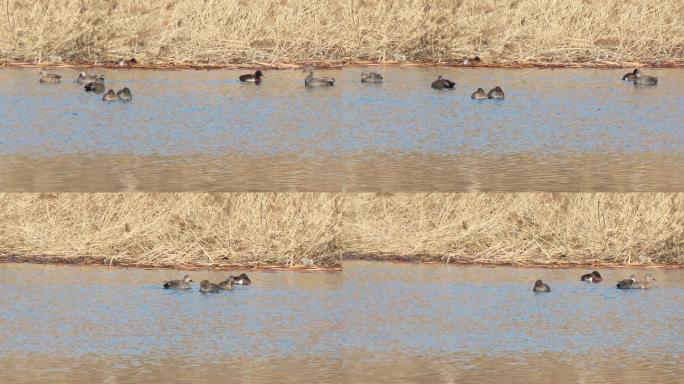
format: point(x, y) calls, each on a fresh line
point(208, 287)
point(595, 277)
point(95, 82)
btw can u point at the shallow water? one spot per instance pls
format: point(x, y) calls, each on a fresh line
point(571, 129)
point(374, 322)
point(430, 323)
point(88, 324)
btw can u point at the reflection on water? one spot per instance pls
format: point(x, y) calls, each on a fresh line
point(430, 323)
point(84, 324)
point(373, 322)
point(222, 135)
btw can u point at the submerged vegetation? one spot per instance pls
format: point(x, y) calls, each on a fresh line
point(317, 229)
point(265, 32)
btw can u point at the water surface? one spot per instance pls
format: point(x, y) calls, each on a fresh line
point(572, 129)
point(374, 322)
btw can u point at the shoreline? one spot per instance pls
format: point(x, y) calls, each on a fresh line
point(356, 64)
point(125, 263)
point(102, 262)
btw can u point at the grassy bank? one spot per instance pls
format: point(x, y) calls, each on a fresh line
point(291, 229)
point(264, 32)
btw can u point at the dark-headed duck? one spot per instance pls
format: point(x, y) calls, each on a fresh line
point(252, 77)
point(442, 83)
point(496, 93)
point(540, 286)
point(593, 277)
point(241, 280)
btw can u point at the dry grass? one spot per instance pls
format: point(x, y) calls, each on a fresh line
point(518, 227)
point(290, 229)
point(265, 32)
point(167, 229)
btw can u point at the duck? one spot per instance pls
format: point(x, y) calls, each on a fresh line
point(96, 87)
point(630, 283)
point(630, 76)
point(311, 81)
point(471, 61)
point(50, 78)
point(371, 77)
point(127, 63)
point(110, 96)
point(645, 80)
point(540, 286)
point(252, 77)
point(479, 94)
point(442, 83)
point(241, 280)
point(179, 284)
point(593, 277)
point(207, 287)
point(227, 284)
point(124, 94)
point(496, 93)
point(84, 78)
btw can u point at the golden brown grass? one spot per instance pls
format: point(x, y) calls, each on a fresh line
point(174, 229)
point(292, 229)
point(518, 227)
point(263, 32)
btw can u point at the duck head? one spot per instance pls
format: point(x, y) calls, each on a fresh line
point(187, 279)
point(538, 283)
point(205, 284)
point(258, 74)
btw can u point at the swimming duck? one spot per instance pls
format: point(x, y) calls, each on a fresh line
point(49, 78)
point(593, 277)
point(540, 286)
point(207, 287)
point(645, 80)
point(441, 83)
point(630, 76)
point(124, 94)
point(95, 87)
point(179, 284)
point(227, 284)
point(496, 93)
point(311, 81)
point(630, 283)
point(479, 94)
point(371, 77)
point(241, 280)
point(252, 77)
point(84, 78)
point(110, 96)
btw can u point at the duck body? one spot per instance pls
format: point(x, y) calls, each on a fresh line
point(496, 93)
point(84, 78)
point(593, 277)
point(371, 77)
point(179, 284)
point(50, 78)
point(207, 287)
point(540, 287)
point(252, 77)
point(479, 94)
point(630, 283)
point(243, 279)
point(124, 94)
point(96, 87)
point(644, 80)
point(311, 81)
point(442, 83)
point(110, 96)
